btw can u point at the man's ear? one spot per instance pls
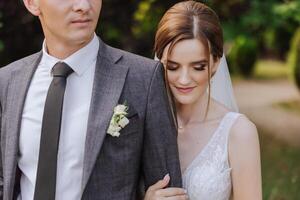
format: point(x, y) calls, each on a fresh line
point(32, 6)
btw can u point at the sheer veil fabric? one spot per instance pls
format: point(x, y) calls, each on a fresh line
point(221, 86)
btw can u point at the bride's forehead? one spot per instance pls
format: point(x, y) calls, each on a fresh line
point(190, 50)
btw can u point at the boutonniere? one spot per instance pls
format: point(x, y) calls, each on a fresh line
point(118, 120)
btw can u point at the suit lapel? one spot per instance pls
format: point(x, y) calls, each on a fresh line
point(17, 90)
point(108, 85)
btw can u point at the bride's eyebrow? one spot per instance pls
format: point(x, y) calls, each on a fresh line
point(204, 61)
point(172, 62)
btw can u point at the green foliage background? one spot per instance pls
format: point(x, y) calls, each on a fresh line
point(294, 58)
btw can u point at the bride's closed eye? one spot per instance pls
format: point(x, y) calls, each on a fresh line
point(172, 67)
point(201, 67)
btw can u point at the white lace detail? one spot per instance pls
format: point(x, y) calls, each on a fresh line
point(208, 175)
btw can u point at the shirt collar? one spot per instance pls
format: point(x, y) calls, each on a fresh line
point(79, 61)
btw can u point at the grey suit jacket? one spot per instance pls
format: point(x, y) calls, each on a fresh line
point(113, 166)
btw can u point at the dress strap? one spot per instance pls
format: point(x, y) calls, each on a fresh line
point(229, 121)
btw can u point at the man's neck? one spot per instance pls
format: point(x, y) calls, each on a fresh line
point(62, 50)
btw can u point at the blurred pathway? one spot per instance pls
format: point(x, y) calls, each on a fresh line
point(256, 99)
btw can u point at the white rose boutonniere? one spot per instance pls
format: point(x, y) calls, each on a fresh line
point(118, 120)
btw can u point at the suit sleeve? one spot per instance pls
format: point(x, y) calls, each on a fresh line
point(160, 150)
point(1, 167)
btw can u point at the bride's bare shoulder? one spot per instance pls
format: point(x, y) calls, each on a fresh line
point(243, 133)
point(243, 126)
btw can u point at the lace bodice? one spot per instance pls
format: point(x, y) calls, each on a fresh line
point(208, 176)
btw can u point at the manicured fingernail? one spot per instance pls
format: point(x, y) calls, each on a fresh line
point(167, 176)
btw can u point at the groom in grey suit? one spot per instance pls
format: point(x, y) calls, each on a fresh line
point(90, 164)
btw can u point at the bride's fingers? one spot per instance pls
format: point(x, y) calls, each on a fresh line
point(161, 183)
point(170, 192)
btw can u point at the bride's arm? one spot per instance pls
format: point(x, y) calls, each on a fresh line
point(244, 158)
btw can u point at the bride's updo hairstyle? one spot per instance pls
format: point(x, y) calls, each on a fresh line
point(190, 20)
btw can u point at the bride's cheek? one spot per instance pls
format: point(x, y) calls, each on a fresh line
point(172, 77)
point(201, 79)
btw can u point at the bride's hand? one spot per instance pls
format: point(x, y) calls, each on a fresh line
point(159, 192)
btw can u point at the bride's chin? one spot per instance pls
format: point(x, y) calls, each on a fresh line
point(184, 102)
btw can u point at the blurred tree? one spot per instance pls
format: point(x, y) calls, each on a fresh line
point(271, 23)
point(20, 33)
point(243, 55)
point(288, 11)
point(294, 58)
point(134, 23)
point(116, 21)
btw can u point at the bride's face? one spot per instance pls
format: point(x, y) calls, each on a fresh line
point(188, 70)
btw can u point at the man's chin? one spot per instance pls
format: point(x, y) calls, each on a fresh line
point(81, 39)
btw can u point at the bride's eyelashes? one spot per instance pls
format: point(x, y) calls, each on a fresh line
point(200, 67)
point(197, 68)
point(172, 67)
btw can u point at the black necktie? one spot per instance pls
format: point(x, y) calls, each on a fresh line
point(47, 165)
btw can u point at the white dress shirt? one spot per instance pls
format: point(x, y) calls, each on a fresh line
point(73, 127)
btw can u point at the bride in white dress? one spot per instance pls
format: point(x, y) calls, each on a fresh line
point(218, 147)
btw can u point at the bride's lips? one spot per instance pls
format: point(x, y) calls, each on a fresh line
point(185, 90)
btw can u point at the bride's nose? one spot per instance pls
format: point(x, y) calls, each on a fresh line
point(184, 77)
